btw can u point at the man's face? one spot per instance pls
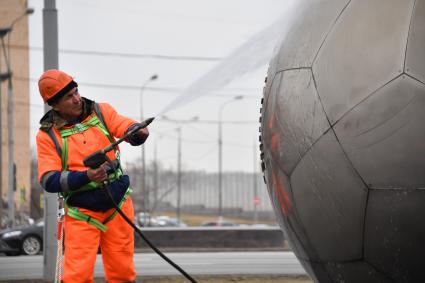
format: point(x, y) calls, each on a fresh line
point(70, 105)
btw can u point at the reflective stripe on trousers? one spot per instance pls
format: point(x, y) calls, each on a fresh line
point(117, 244)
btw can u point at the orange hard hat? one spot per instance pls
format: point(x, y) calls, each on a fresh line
point(53, 83)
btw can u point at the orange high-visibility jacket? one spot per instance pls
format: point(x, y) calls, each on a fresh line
point(80, 145)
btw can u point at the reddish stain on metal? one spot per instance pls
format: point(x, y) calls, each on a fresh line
point(271, 121)
point(282, 195)
point(275, 140)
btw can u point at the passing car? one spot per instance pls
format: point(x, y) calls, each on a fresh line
point(26, 240)
point(144, 219)
point(218, 223)
point(166, 221)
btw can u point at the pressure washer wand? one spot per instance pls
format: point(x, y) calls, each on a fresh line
point(139, 126)
point(99, 157)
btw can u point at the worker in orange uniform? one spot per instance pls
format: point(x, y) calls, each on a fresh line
point(74, 128)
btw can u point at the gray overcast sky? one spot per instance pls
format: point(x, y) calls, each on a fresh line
point(189, 28)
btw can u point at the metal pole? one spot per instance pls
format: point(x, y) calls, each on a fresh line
point(155, 175)
point(220, 158)
point(179, 178)
point(1, 155)
point(255, 184)
point(145, 193)
point(11, 162)
point(50, 42)
point(220, 170)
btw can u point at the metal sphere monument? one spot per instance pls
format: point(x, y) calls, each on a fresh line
point(343, 139)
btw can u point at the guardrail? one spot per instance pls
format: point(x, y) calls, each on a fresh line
point(214, 238)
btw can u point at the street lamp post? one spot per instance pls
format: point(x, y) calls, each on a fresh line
point(51, 61)
point(3, 77)
point(155, 174)
point(179, 158)
point(144, 191)
point(256, 199)
point(220, 157)
point(10, 143)
point(179, 171)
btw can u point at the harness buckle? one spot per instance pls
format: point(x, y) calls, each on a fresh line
point(79, 128)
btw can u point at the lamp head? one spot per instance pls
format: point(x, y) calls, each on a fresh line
point(5, 76)
point(29, 11)
point(4, 31)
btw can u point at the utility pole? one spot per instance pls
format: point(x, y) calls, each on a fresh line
point(10, 146)
point(220, 157)
point(255, 185)
point(179, 157)
point(179, 171)
point(50, 43)
point(145, 193)
point(155, 175)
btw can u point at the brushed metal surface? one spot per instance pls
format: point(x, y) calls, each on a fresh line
point(384, 136)
point(365, 50)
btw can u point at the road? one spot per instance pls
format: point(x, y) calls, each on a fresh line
point(149, 264)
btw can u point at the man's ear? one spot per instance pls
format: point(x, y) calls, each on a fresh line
point(54, 106)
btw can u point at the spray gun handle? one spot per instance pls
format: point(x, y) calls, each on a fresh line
point(95, 159)
point(99, 157)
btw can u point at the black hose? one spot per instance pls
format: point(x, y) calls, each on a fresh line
point(184, 273)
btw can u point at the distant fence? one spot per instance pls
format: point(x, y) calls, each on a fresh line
point(242, 190)
point(248, 238)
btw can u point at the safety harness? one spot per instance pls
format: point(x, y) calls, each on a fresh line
point(95, 121)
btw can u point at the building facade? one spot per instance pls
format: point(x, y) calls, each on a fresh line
point(12, 12)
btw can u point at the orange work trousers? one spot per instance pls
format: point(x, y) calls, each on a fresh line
point(82, 241)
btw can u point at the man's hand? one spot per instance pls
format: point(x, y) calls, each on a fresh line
point(98, 175)
point(143, 133)
point(138, 137)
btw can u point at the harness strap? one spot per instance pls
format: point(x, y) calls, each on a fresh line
point(94, 185)
point(80, 128)
point(77, 214)
point(96, 121)
point(55, 141)
point(99, 114)
point(124, 198)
